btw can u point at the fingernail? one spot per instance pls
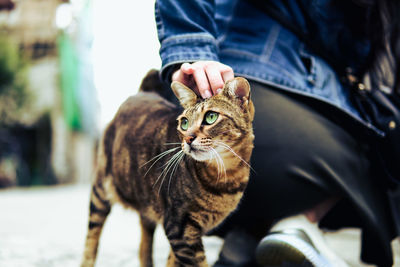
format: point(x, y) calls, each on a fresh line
point(186, 66)
point(207, 94)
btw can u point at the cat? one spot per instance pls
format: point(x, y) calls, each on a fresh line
point(186, 170)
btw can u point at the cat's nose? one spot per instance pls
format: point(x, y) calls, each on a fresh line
point(189, 139)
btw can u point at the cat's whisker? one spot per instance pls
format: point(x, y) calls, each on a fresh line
point(209, 161)
point(223, 145)
point(170, 167)
point(158, 178)
point(157, 158)
point(165, 171)
point(225, 131)
point(220, 165)
point(172, 143)
point(162, 154)
point(216, 160)
point(230, 141)
point(177, 162)
point(165, 168)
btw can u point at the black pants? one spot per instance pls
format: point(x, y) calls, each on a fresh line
point(301, 158)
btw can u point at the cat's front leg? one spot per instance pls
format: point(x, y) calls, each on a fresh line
point(146, 243)
point(186, 244)
point(174, 262)
point(178, 261)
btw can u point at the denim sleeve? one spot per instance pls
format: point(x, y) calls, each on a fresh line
point(186, 30)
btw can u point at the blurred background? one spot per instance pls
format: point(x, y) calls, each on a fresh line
point(65, 67)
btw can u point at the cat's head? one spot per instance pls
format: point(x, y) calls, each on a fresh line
point(216, 125)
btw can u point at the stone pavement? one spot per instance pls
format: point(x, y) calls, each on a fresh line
point(46, 227)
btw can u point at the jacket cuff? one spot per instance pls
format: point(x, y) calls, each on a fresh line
point(187, 48)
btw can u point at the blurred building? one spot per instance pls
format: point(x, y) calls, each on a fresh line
point(6, 5)
point(53, 137)
point(33, 25)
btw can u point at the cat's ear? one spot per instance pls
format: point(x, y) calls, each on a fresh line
point(185, 95)
point(238, 88)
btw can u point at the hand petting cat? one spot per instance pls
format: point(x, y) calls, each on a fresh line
point(205, 78)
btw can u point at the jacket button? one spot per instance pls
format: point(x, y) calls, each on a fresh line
point(392, 125)
point(361, 86)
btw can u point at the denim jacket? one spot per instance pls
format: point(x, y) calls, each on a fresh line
point(239, 34)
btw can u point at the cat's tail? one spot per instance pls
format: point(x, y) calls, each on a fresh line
point(152, 83)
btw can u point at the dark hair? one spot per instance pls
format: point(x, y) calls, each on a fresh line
point(384, 34)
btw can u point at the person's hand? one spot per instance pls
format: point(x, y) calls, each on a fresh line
point(205, 78)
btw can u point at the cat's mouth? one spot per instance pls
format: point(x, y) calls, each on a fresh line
point(199, 153)
point(199, 149)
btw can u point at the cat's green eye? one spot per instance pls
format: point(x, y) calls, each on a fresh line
point(211, 117)
point(184, 124)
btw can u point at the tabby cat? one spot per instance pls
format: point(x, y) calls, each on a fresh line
point(187, 174)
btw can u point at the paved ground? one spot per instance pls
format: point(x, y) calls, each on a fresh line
point(45, 227)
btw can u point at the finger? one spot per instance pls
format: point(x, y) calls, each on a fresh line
point(227, 74)
point(187, 80)
point(214, 78)
point(187, 68)
point(192, 84)
point(201, 80)
point(181, 75)
point(178, 76)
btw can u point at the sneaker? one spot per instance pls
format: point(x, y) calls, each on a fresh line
point(295, 241)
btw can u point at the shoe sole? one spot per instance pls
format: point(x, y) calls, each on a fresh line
point(283, 250)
